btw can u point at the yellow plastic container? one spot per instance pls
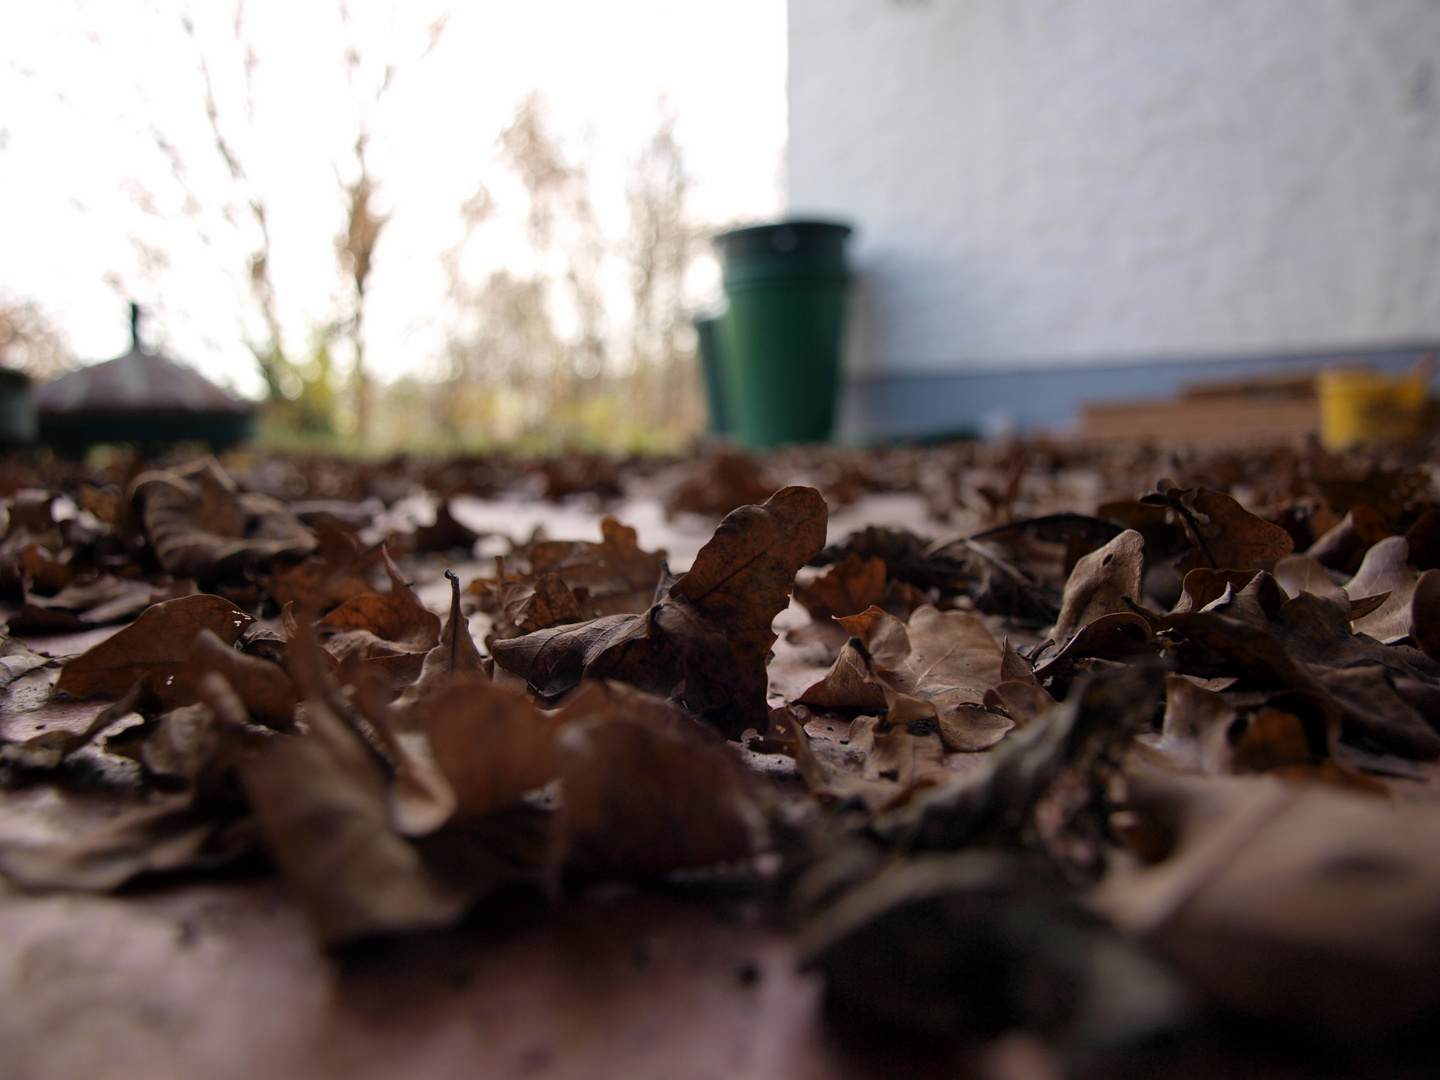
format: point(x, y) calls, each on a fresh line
point(1360, 405)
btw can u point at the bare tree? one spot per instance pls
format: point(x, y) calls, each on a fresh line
point(28, 342)
point(507, 337)
point(660, 248)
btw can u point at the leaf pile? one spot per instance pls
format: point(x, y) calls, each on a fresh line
point(1099, 776)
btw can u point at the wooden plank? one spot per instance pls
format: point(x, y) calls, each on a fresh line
point(1207, 421)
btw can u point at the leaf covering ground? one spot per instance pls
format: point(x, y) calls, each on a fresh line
point(1098, 773)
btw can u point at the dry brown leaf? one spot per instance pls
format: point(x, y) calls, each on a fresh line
point(161, 836)
point(1196, 724)
point(47, 749)
point(156, 646)
point(399, 617)
point(16, 660)
point(1103, 582)
point(847, 685)
point(321, 799)
point(1297, 903)
point(1019, 699)
point(1344, 546)
point(268, 693)
point(724, 482)
point(1227, 536)
point(880, 764)
point(1304, 573)
point(641, 800)
point(1256, 603)
point(614, 576)
point(545, 602)
point(712, 631)
point(202, 525)
point(1425, 613)
point(952, 664)
point(1386, 569)
point(846, 588)
point(1203, 586)
point(492, 743)
point(333, 573)
point(97, 602)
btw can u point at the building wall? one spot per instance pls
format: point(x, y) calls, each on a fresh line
point(1055, 182)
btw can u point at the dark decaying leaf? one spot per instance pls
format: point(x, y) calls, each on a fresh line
point(155, 647)
point(712, 631)
point(959, 948)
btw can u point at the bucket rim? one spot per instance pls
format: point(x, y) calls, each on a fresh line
point(843, 228)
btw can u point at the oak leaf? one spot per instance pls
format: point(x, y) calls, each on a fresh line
point(712, 631)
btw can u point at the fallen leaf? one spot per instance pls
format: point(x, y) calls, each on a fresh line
point(1386, 569)
point(1304, 573)
point(155, 647)
point(1344, 546)
point(1425, 613)
point(847, 588)
point(614, 576)
point(491, 743)
point(1226, 535)
point(719, 484)
point(847, 685)
point(102, 600)
point(640, 800)
point(958, 948)
point(200, 523)
point(712, 631)
point(1103, 582)
point(393, 632)
point(951, 663)
point(321, 800)
point(163, 836)
point(1294, 903)
point(16, 660)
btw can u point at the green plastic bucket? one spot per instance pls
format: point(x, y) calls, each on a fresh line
point(707, 332)
point(780, 338)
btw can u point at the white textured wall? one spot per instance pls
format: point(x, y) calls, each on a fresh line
point(1051, 180)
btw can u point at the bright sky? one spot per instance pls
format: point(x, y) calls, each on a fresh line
point(95, 211)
